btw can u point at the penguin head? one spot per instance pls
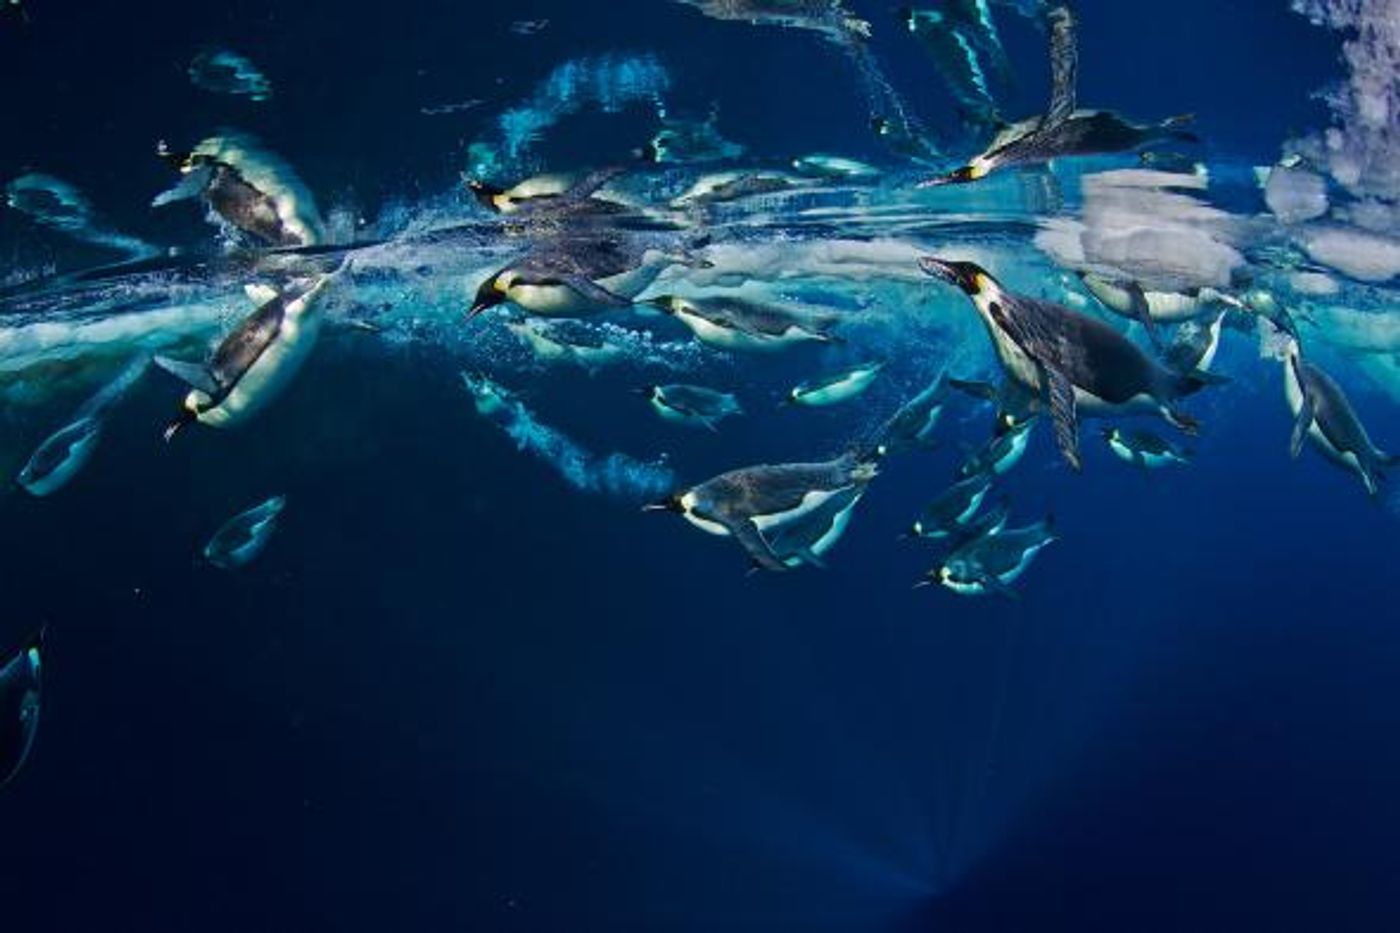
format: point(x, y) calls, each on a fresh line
point(488, 196)
point(196, 402)
point(959, 176)
point(968, 276)
point(668, 304)
point(673, 503)
point(491, 293)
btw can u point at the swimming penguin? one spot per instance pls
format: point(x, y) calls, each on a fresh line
point(692, 405)
point(1322, 415)
point(249, 187)
point(1149, 308)
point(962, 39)
point(835, 388)
point(725, 187)
point(1074, 362)
point(829, 17)
point(992, 562)
point(738, 324)
point(243, 537)
point(912, 426)
point(552, 193)
point(1015, 406)
point(834, 168)
point(1063, 130)
point(1143, 449)
point(750, 504)
point(1002, 452)
point(256, 360)
point(806, 540)
point(21, 685)
point(65, 452)
point(955, 508)
point(493, 400)
point(554, 341)
point(574, 276)
point(682, 141)
point(1196, 344)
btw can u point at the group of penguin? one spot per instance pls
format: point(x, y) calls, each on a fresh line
point(1058, 363)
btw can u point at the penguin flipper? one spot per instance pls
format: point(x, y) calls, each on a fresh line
point(195, 375)
point(809, 556)
point(1060, 393)
point(752, 541)
point(590, 184)
point(1064, 66)
point(1142, 311)
point(1300, 426)
point(594, 292)
point(983, 390)
point(192, 185)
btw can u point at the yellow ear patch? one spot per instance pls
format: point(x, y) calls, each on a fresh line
point(981, 282)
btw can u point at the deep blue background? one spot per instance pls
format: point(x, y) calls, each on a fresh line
point(454, 694)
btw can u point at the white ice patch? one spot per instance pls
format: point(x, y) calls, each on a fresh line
point(1369, 257)
point(1295, 194)
point(1362, 151)
point(1139, 224)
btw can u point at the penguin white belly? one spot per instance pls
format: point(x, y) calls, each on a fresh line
point(973, 505)
point(1014, 452)
point(670, 414)
point(1019, 366)
point(550, 300)
point(810, 501)
point(1293, 392)
point(1014, 574)
point(725, 338)
point(1088, 403)
point(841, 391)
point(838, 527)
point(269, 374)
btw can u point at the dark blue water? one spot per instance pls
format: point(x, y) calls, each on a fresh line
point(455, 694)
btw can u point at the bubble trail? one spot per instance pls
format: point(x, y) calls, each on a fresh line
point(615, 474)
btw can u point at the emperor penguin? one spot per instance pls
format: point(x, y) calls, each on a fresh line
point(730, 323)
point(552, 193)
point(249, 187)
point(991, 563)
point(1073, 361)
point(1324, 417)
point(575, 276)
point(753, 503)
point(256, 360)
point(20, 688)
point(1062, 130)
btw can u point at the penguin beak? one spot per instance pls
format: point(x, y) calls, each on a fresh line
point(940, 269)
point(173, 428)
point(485, 194)
point(672, 504)
point(662, 303)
